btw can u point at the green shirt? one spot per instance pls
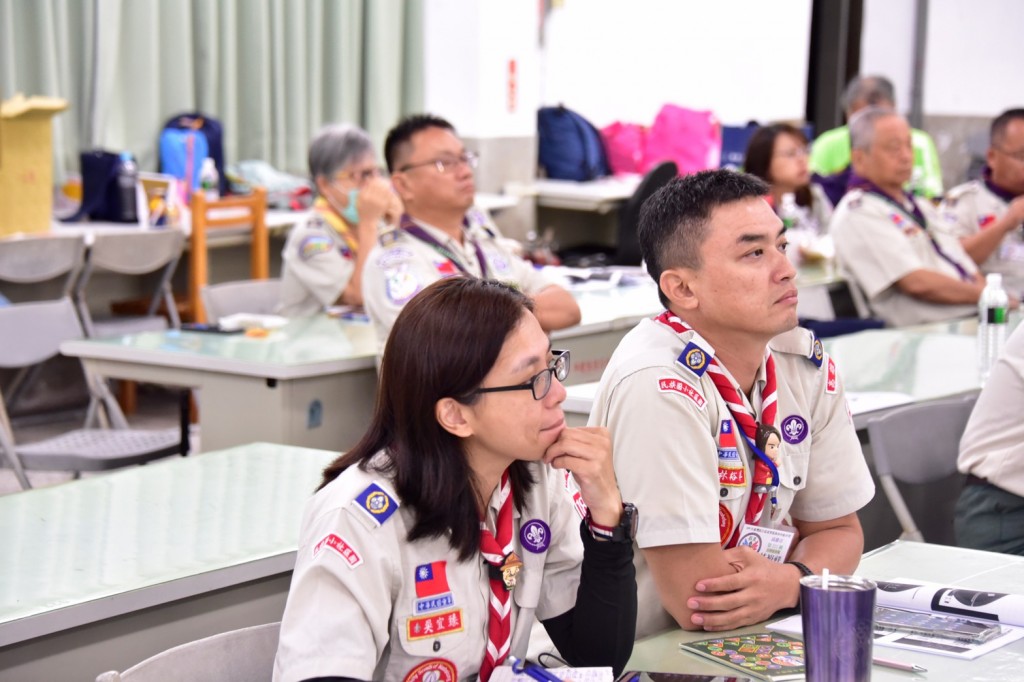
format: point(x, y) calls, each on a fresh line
point(831, 153)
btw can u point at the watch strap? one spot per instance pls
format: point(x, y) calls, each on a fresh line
point(804, 570)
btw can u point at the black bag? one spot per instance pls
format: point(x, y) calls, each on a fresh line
point(101, 198)
point(569, 146)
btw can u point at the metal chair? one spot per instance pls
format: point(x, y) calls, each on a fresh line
point(132, 253)
point(257, 296)
point(31, 333)
point(248, 211)
point(244, 655)
point(919, 444)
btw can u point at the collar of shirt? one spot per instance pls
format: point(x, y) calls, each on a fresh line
point(1003, 194)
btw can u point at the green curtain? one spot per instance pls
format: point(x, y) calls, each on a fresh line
point(273, 71)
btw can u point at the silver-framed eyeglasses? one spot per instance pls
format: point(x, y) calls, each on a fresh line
point(540, 383)
point(361, 177)
point(446, 163)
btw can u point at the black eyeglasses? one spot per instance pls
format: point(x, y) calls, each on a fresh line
point(540, 383)
point(446, 163)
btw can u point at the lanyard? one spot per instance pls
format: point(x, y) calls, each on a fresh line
point(325, 211)
point(418, 232)
point(918, 217)
point(744, 417)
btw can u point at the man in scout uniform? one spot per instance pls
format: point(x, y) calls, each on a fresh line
point(987, 214)
point(683, 396)
point(830, 153)
point(891, 245)
point(441, 234)
point(324, 255)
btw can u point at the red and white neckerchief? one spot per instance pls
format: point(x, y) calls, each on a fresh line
point(742, 413)
point(495, 550)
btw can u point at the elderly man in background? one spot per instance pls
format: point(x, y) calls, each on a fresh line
point(890, 244)
point(987, 214)
point(830, 154)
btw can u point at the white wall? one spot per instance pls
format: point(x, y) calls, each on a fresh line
point(972, 59)
point(468, 48)
point(622, 59)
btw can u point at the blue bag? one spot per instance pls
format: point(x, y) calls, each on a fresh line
point(205, 135)
point(569, 146)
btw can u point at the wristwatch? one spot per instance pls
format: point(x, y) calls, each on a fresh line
point(801, 567)
point(625, 531)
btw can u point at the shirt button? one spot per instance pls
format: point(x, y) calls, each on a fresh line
point(796, 480)
point(724, 492)
point(437, 645)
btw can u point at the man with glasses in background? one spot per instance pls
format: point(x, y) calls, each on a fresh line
point(441, 234)
point(987, 214)
point(324, 255)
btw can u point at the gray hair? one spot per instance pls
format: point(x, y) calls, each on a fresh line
point(335, 146)
point(862, 125)
point(874, 91)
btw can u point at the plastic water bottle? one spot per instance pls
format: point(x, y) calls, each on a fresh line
point(209, 180)
point(127, 180)
point(789, 212)
point(992, 311)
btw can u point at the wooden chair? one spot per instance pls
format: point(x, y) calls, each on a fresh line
point(230, 212)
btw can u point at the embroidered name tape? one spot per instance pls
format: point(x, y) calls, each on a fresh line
point(340, 547)
point(426, 627)
point(673, 385)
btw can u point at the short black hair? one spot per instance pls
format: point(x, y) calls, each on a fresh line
point(674, 220)
point(403, 131)
point(1001, 122)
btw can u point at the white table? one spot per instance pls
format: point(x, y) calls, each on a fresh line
point(600, 196)
point(103, 572)
point(310, 383)
point(932, 563)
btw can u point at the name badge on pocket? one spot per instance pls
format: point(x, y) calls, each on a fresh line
point(771, 543)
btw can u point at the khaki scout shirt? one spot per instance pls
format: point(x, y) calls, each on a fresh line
point(992, 446)
point(666, 425)
point(318, 264)
point(970, 208)
point(367, 603)
point(400, 266)
point(877, 245)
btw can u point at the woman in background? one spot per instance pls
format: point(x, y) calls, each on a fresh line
point(778, 154)
point(431, 546)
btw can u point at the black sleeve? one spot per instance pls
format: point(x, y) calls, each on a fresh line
point(600, 629)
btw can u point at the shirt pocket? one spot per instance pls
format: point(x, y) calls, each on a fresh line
point(793, 467)
point(439, 628)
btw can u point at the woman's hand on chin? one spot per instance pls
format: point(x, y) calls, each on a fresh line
point(587, 453)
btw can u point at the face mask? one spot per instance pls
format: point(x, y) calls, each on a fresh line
point(351, 212)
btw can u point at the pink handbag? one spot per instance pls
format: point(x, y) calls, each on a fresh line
point(691, 138)
point(624, 144)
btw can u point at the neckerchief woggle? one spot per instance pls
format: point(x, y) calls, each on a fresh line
point(406, 223)
point(327, 212)
point(734, 401)
point(914, 214)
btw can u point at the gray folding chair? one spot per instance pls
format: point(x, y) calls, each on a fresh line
point(37, 259)
point(31, 333)
point(244, 655)
point(132, 253)
point(256, 296)
point(919, 444)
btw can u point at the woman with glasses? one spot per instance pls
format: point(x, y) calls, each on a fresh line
point(324, 255)
point(467, 509)
point(778, 155)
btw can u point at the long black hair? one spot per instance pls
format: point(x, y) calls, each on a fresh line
point(443, 344)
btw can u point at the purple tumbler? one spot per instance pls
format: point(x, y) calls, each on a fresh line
point(838, 627)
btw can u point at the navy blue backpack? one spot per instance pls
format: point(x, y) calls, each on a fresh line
point(569, 146)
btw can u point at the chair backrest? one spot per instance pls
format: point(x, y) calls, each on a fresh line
point(32, 332)
point(257, 296)
point(237, 211)
point(134, 253)
point(32, 259)
point(245, 655)
point(919, 444)
point(628, 250)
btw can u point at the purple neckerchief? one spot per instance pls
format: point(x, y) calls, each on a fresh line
point(986, 174)
point(835, 185)
point(406, 223)
point(916, 214)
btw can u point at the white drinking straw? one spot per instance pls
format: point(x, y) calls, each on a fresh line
point(824, 578)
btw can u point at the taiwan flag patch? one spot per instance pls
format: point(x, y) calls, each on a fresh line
point(431, 579)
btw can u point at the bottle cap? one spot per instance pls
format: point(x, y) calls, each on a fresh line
point(994, 279)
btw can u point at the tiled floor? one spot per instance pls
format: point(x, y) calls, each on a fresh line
point(158, 408)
